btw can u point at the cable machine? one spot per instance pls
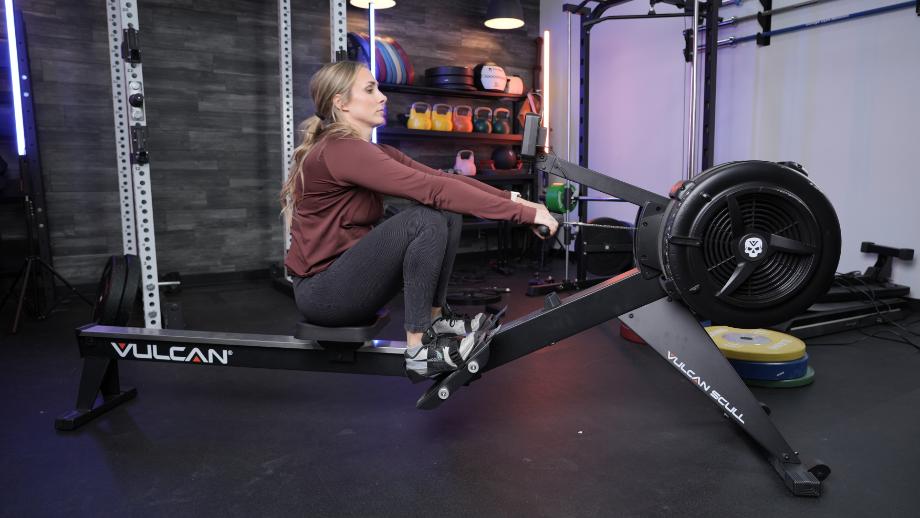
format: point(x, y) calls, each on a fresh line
point(589, 17)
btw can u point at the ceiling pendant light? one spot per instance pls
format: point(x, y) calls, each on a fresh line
point(504, 14)
point(378, 4)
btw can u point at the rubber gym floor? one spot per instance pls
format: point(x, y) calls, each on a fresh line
point(592, 426)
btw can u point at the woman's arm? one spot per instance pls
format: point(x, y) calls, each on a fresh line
point(404, 159)
point(361, 163)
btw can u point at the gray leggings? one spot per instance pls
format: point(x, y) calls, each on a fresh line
point(413, 250)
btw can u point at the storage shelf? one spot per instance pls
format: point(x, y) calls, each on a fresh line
point(397, 132)
point(446, 92)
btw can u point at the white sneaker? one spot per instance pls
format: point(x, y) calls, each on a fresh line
point(458, 324)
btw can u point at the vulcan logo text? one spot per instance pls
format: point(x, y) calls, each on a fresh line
point(707, 388)
point(176, 353)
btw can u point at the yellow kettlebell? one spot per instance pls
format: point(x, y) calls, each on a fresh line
point(419, 116)
point(441, 116)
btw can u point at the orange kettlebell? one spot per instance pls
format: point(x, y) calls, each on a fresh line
point(463, 119)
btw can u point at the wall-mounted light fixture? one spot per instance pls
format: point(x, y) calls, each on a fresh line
point(504, 14)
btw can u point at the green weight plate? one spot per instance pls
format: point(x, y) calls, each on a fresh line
point(807, 379)
point(558, 196)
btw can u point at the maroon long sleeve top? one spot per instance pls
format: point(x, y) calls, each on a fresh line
point(339, 199)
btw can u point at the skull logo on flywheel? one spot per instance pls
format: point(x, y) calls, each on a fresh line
point(753, 247)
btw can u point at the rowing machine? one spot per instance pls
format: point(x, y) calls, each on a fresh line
point(745, 243)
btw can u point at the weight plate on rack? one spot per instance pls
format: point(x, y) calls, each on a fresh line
point(464, 88)
point(393, 75)
point(448, 70)
point(448, 80)
point(407, 65)
point(109, 291)
point(362, 40)
point(401, 73)
point(132, 287)
point(358, 49)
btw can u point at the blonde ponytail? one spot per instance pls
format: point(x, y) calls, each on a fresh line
point(330, 80)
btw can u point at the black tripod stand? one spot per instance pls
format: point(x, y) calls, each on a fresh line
point(31, 273)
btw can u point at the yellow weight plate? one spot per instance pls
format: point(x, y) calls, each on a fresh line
point(756, 345)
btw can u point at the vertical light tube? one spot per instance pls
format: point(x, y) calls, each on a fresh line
point(568, 89)
point(15, 77)
point(568, 127)
point(373, 42)
point(373, 56)
point(691, 165)
point(546, 78)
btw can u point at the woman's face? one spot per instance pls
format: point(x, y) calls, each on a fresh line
point(366, 108)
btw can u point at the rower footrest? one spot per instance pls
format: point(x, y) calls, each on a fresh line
point(467, 372)
point(447, 384)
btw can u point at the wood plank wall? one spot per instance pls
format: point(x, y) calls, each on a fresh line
point(211, 74)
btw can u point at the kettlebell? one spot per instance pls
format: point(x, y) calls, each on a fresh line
point(482, 124)
point(501, 121)
point(465, 164)
point(504, 158)
point(463, 119)
point(419, 116)
point(441, 116)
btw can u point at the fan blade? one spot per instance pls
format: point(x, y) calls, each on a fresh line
point(742, 272)
point(784, 244)
point(738, 227)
